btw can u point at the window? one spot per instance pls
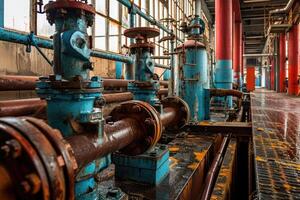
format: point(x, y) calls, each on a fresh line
point(16, 15)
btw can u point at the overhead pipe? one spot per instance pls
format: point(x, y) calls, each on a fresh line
point(283, 10)
point(22, 38)
point(148, 18)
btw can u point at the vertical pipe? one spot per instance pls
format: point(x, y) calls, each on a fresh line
point(282, 62)
point(1, 13)
point(198, 7)
point(236, 52)
point(223, 73)
point(242, 61)
point(119, 70)
point(292, 56)
point(173, 71)
point(272, 74)
point(129, 69)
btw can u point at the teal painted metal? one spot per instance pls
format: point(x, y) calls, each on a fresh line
point(144, 72)
point(119, 70)
point(21, 38)
point(70, 93)
point(150, 168)
point(194, 80)
point(224, 78)
point(167, 75)
point(1, 13)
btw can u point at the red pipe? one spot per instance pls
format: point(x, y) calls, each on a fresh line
point(293, 60)
point(223, 29)
point(272, 74)
point(242, 59)
point(282, 62)
point(236, 52)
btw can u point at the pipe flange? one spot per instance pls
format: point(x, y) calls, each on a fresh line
point(59, 9)
point(183, 116)
point(38, 166)
point(141, 32)
point(149, 121)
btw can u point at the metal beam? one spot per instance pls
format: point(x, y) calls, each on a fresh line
point(1, 13)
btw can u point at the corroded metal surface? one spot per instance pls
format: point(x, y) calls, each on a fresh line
point(189, 160)
point(225, 178)
point(276, 129)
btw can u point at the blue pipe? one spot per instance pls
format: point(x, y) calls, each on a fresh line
point(1, 13)
point(112, 56)
point(22, 38)
point(119, 70)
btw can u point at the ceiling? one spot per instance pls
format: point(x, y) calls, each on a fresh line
point(255, 14)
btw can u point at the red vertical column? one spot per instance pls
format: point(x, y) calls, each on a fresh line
point(223, 17)
point(282, 62)
point(293, 44)
point(236, 51)
point(298, 58)
point(272, 75)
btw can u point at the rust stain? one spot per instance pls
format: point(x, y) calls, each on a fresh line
point(174, 162)
point(193, 166)
point(174, 149)
point(200, 155)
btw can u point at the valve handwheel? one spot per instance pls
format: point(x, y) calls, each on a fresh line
point(144, 32)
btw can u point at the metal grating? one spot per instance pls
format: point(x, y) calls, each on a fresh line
point(276, 138)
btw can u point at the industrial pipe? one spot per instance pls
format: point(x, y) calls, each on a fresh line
point(12, 83)
point(224, 92)
point(22, 107)
point(283, 10)
point(213, 170)
point(133, 127)
point(23, 38)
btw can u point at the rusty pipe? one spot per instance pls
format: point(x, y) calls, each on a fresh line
point(225, 92)
point(118, 97)
point(88, 147)
point(26, 107)
point(22, 107)
point(118, 135)
point(14, 82)
point(214, 169)
point(168, 116)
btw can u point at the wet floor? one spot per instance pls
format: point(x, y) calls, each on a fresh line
point(276, 136)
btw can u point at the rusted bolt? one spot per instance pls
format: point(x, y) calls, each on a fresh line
point(11, 147)
point(148, 122)
point(5, 149)
point(25, 187)
point(136, 108)
point(32, 184)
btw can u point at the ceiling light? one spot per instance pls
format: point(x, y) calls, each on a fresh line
point(255, 1)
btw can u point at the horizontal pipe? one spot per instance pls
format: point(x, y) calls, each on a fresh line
point(87, 148)
point(22, 38)
point(118, 97)
point(26, 107)
point(213, 170)
point(283, 10)
point(22, 107)
point(225, 92)
point(15, 82)
point(258, 55)
point(120, 134)
point(161, 57)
